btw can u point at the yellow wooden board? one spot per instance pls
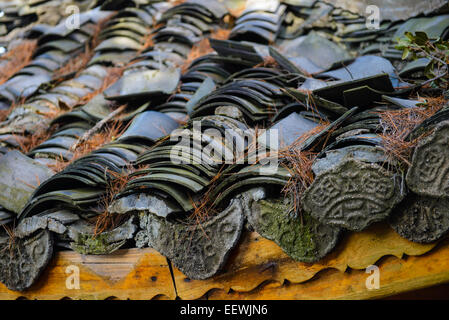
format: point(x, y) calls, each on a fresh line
point(396, 276)
point(134, 273)
point(257, 269)
point(257, 261)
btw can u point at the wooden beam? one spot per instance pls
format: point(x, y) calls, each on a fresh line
point(396, 276)
point(257, 260)
point(257, 269)
point(132, 273)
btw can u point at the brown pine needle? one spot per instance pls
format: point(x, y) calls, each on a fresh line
point(397, 125)
point(109, 133)
point(220, 34)
point(107, 221)
point(5, 113)
point(15, 59)
point(268, 62)
point(31, 141)
point(86, 136)
point(113, 74)
point(198, 50)
point(205, 206)
point(299, 164)
point(78, 63)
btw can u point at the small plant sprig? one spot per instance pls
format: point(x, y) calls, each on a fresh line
point(419, 45)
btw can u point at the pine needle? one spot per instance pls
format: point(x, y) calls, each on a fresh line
point(397, 125)
point(15, 59)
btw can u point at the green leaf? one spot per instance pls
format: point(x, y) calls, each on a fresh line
point(421, 38)
point(405, 54)
point(442, 47)
point(410, 36)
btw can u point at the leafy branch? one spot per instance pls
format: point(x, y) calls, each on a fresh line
point(419, 45)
